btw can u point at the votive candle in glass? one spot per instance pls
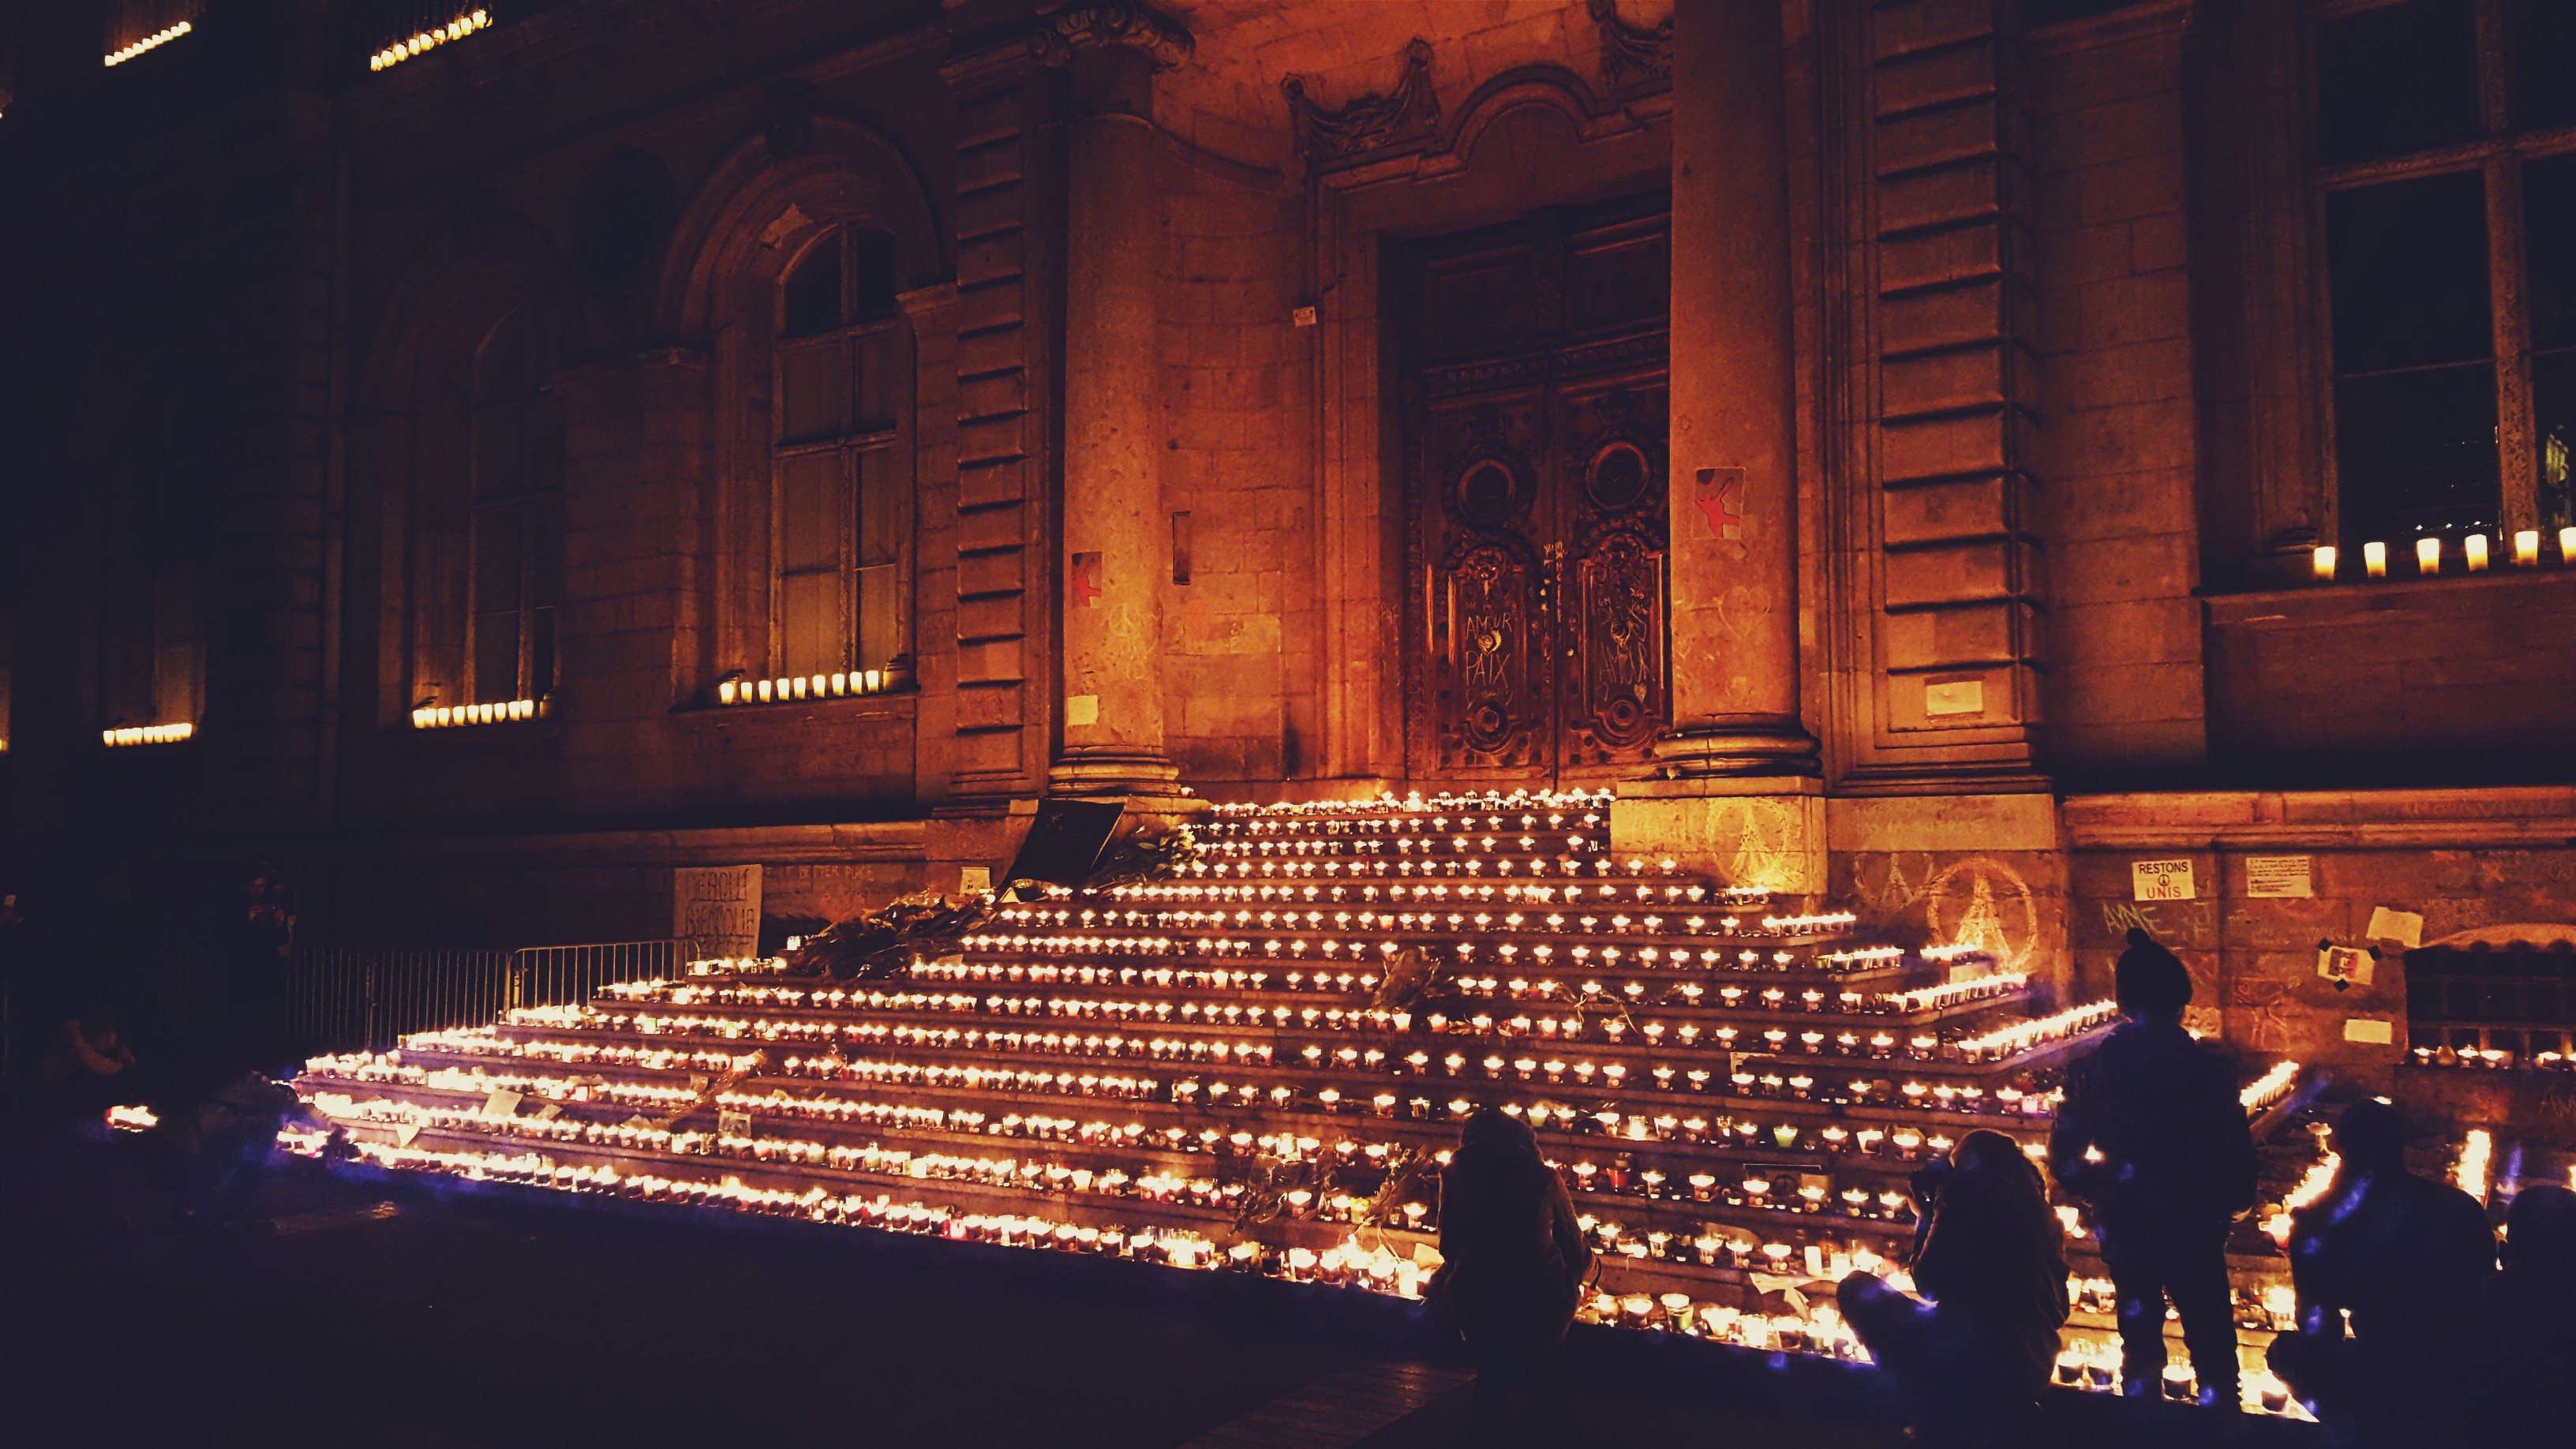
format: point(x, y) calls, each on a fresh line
point(2374, 560)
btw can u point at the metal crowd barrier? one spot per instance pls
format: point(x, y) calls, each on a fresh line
point(344, 998)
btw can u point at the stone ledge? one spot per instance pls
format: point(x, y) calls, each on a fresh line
point(2532, 816)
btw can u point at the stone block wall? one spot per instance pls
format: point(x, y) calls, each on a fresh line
point(2463, 860)
point(1239, 620)
point(2117, 444)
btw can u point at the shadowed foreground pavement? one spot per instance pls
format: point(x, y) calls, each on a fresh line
point(361, 1310)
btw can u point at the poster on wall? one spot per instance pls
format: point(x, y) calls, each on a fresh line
point(716, 909)
point(2279, 877)
point(2346, 966)
point(2162, 880)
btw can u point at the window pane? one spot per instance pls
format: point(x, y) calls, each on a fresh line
point(2416, 454)
point(2553, 407)
point(541, 652)
point(2544, 63)
point(878, 354)
point(501, 451)
point(813, 390)
point(812, 603)
point(813, 292)
point(505, 365)
point(2549, 247)
point(496, 658)
point(2398, 79)
point(811, 511)
point(2407, 265)
point(879, 613)
point(497, 559)
point(874, 253)
point(877, 529)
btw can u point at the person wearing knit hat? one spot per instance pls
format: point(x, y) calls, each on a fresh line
point(2150, 980)
point(2152, 1140)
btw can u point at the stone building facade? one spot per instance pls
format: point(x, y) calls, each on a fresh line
point(1887, 445)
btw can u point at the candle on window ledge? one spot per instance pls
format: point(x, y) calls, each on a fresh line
point(2374, 561)
point(2428, 555)
point(2526, 547)
point(2567, 545)
point(875, 680)
point(2325, 561)
point(2475, 547)
point(840, 683)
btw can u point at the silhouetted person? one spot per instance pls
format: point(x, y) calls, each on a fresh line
point(86, 1065)
point(1971, 1362)
point(260, 944)
point(1514, 1259)
point(2153, 1139)
point(2408, 1260)
point(2531, 1311)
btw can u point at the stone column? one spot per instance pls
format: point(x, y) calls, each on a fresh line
point(1116, 562)
point(1736, 734)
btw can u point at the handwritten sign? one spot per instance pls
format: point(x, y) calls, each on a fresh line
point(2162, 880)
point(2279, 877)
point(717, 909)
point(974, 880)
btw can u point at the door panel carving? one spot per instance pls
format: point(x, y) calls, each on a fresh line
point(1535, 425)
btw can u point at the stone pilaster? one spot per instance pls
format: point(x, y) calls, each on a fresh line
point(1114, 562)
point(1735, 791)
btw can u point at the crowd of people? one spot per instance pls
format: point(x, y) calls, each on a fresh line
point(2414, 1326)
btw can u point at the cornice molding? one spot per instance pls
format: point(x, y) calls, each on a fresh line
point(1112, 23)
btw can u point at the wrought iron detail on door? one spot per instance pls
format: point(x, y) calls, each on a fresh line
point(1535, 405)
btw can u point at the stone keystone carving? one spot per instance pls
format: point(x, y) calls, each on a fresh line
point(1117, 22)
point(1632, 52)
point(1408, 111)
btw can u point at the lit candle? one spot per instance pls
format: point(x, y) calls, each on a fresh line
point(2567, 545)
point(2428, 555)
point(2476, 549)
point(2325, 561)
point(2374, 559)
point(2526, 547)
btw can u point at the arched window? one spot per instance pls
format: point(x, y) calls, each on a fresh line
point(841, 460)
point(517, 549)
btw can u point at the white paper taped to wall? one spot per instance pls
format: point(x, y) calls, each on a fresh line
point(2279, 877)
point(2406, 928)
point(2376, 1030)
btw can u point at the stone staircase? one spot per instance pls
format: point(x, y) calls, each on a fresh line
point(1258, 1063)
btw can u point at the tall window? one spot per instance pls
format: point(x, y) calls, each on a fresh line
point(2446, 149)
point(841, 462)
point(517, 518)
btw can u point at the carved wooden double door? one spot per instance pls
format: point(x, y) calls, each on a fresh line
point(1535, 395)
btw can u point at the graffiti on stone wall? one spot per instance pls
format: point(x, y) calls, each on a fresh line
point(1975, 901)
point(2119, 917)
point(1767, 834)
point(2261, 1012)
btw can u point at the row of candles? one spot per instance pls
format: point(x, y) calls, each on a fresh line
point(1333, 951)
point(1555, 923)
point(2493, 1059)
point(1972, 1100)
point(1890, 1146)
point(506, 711)
point(1350, 1264)
point(154, 41)
point(1616, 1035)
point(1921, 1048)
point(1415, 802)
point(2428, 554)
point(162, 734)
point(1224, 825)
point(424, 41)
point(836, 685)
